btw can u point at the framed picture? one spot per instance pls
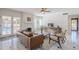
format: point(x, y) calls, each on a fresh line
point(28, 19)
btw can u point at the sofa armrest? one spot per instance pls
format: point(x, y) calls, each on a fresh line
point(36, 41)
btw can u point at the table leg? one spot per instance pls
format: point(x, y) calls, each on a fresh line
point(49, 38)
point(59, 43)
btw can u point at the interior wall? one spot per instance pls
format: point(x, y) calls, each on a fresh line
point(8, 12)
point(0, 25)
point(25, 24)
point(57, 20)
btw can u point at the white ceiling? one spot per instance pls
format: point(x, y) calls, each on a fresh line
point(36, 11)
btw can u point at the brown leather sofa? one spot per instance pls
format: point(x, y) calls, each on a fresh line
point(32, 42)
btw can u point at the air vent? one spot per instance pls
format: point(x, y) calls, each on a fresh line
point(65, 13)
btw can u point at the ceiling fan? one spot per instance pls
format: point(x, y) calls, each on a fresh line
point(44, 10)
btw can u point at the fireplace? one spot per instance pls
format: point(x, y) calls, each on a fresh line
point(29, 29)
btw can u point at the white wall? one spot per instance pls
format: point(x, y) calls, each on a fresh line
point(0, 25)
point(8, 12)
point(57, 19)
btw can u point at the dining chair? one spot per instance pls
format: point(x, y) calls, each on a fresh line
point(58, 38)
point(64, 36)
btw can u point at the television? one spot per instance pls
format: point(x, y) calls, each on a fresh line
point(50, 25)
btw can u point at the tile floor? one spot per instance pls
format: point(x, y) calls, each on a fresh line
point(13, 43)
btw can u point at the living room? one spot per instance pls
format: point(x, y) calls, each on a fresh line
point(39, 29)
point(40, 23)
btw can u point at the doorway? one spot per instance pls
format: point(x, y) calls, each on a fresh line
point(74, 24)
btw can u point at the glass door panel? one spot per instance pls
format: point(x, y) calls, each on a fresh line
point(74, 24)
point(6, 25)
point(16, 24)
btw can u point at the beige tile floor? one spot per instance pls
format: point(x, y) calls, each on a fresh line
point(13, 43)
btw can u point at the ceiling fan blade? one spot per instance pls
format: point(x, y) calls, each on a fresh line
point(43, 10)
point(47, 11)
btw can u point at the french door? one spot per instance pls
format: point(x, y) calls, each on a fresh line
point(16, 24)
point(10, 25)
point(6, 25)
point(74, 22)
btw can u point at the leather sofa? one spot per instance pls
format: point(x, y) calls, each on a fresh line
point(31, 42)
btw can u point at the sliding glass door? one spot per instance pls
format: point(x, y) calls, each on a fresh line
point(10, 25)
